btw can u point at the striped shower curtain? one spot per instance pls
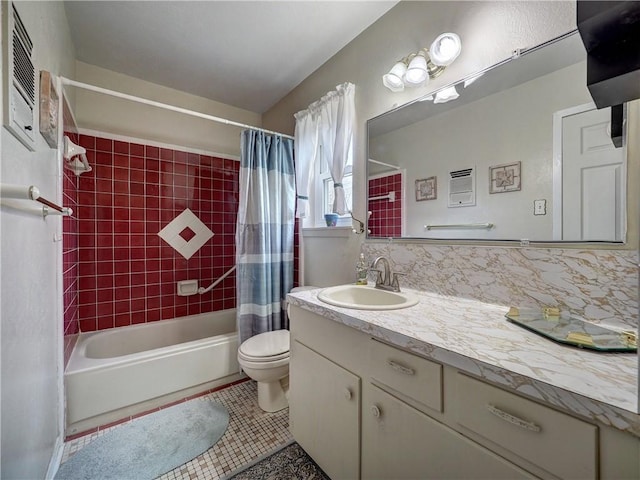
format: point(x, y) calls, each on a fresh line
point(264, 232)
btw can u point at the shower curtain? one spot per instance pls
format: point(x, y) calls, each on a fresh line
point(264, 232)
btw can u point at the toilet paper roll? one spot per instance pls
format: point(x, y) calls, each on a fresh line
point(19, 191)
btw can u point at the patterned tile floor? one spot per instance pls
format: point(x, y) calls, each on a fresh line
point(251, 434)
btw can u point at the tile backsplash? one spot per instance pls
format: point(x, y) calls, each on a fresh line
point(597, 285)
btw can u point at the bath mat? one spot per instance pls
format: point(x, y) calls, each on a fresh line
point(151, 445)
point(290, 462)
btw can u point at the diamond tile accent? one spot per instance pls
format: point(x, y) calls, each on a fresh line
point(187, 234)
point(171, 233)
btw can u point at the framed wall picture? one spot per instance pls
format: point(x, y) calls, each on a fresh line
point(49, 102)
point(426, 189)
point(505, 178)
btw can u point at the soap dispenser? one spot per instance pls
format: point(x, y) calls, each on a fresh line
point(361, 271)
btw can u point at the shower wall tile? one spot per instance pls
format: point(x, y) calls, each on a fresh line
point(70, 257)
point(125, 273)
point(386, 216)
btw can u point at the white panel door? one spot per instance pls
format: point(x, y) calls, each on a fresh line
point(593, 179)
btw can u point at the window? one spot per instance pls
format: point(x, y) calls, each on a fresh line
point(323, 194)
point(331, 120)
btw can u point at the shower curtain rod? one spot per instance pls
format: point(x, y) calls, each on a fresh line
point(166, 106)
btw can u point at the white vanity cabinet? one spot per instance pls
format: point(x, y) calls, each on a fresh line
point(401, 442)
point(365, 409)
point(332, 434)
point(401, 438)
point(325, 392)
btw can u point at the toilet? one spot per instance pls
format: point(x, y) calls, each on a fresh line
point(265, 359)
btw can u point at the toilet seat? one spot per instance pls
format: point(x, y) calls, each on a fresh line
point(266, 347)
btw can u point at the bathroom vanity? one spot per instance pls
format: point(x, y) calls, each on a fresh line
point(450, 389)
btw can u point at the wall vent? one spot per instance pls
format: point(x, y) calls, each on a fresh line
point(462, 188)
point(20, 78)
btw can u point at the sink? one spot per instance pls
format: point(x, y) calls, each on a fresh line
point(363, 297)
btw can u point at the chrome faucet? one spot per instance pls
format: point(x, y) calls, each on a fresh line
point(385, 280)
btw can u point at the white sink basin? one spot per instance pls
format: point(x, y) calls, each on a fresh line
point(363, 297)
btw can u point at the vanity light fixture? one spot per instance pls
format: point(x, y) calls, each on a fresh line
point(416, 73)
point(416, 69)
point(445, 49)
point(394, 80)
point(472, 79)
point(446, 95)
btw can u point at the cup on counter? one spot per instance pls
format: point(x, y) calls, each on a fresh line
point(331, 219)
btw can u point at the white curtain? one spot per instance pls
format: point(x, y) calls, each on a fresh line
point(337, 120)
point(306, 151)
point(324, 132)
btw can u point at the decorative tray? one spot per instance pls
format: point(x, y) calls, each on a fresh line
point(573, 331)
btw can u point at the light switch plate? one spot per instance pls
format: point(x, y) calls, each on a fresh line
point(539, 207)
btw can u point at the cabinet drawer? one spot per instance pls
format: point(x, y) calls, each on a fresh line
point(410, 375)
point(557, 443)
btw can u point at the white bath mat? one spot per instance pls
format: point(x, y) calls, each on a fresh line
point(151, 445)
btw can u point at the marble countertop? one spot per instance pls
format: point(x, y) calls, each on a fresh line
point(476, 337)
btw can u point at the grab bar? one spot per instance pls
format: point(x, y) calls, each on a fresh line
point(460, 226)
point(203, 290)
point(31, 192)
point(391, 196)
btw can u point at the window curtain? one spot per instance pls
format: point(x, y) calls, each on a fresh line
point(337, 120)
point(264, 232)
point(325, 131)
point(306, 151)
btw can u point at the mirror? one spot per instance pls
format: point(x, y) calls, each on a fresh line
point(521, 154)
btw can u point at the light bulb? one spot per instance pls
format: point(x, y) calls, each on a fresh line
point(470, 80)
point(445, 49)
point(417, 71)
point(446, 95)
point(394, 79)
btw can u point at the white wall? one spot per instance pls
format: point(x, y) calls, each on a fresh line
point(123, 117)
point(490, 31)
point(30, 270)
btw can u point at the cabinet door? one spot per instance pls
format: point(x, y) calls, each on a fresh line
point(400, 442)
point(324, 412)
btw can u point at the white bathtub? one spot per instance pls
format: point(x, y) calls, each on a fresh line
point(116, 373)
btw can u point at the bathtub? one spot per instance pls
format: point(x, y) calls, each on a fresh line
point(116, 373)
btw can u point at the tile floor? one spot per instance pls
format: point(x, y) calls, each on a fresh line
point(251, 434)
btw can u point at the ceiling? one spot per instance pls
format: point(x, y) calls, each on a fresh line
point(243, 53)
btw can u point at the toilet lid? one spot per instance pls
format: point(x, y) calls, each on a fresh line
point(268, 344)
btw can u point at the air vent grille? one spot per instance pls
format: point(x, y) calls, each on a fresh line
point(23, 70)
point(461, 173)
point(462, 188)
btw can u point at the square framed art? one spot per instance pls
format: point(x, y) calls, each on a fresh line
point(426, 189)
point(505, 178)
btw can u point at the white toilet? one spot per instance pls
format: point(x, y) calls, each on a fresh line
point(265, 359)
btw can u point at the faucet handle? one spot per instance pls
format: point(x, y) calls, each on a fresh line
point(395, 283)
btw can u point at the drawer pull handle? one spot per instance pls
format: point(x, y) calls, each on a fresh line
point(375, 411)
point(401, 368)
point(507, 417)
point(347, 394)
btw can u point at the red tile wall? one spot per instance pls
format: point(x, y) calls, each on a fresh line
point(386, 216)
point(126, 274)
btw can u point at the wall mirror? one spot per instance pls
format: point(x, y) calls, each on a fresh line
point(520, 154)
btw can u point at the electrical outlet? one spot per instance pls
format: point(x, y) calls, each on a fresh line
point(539, 207)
